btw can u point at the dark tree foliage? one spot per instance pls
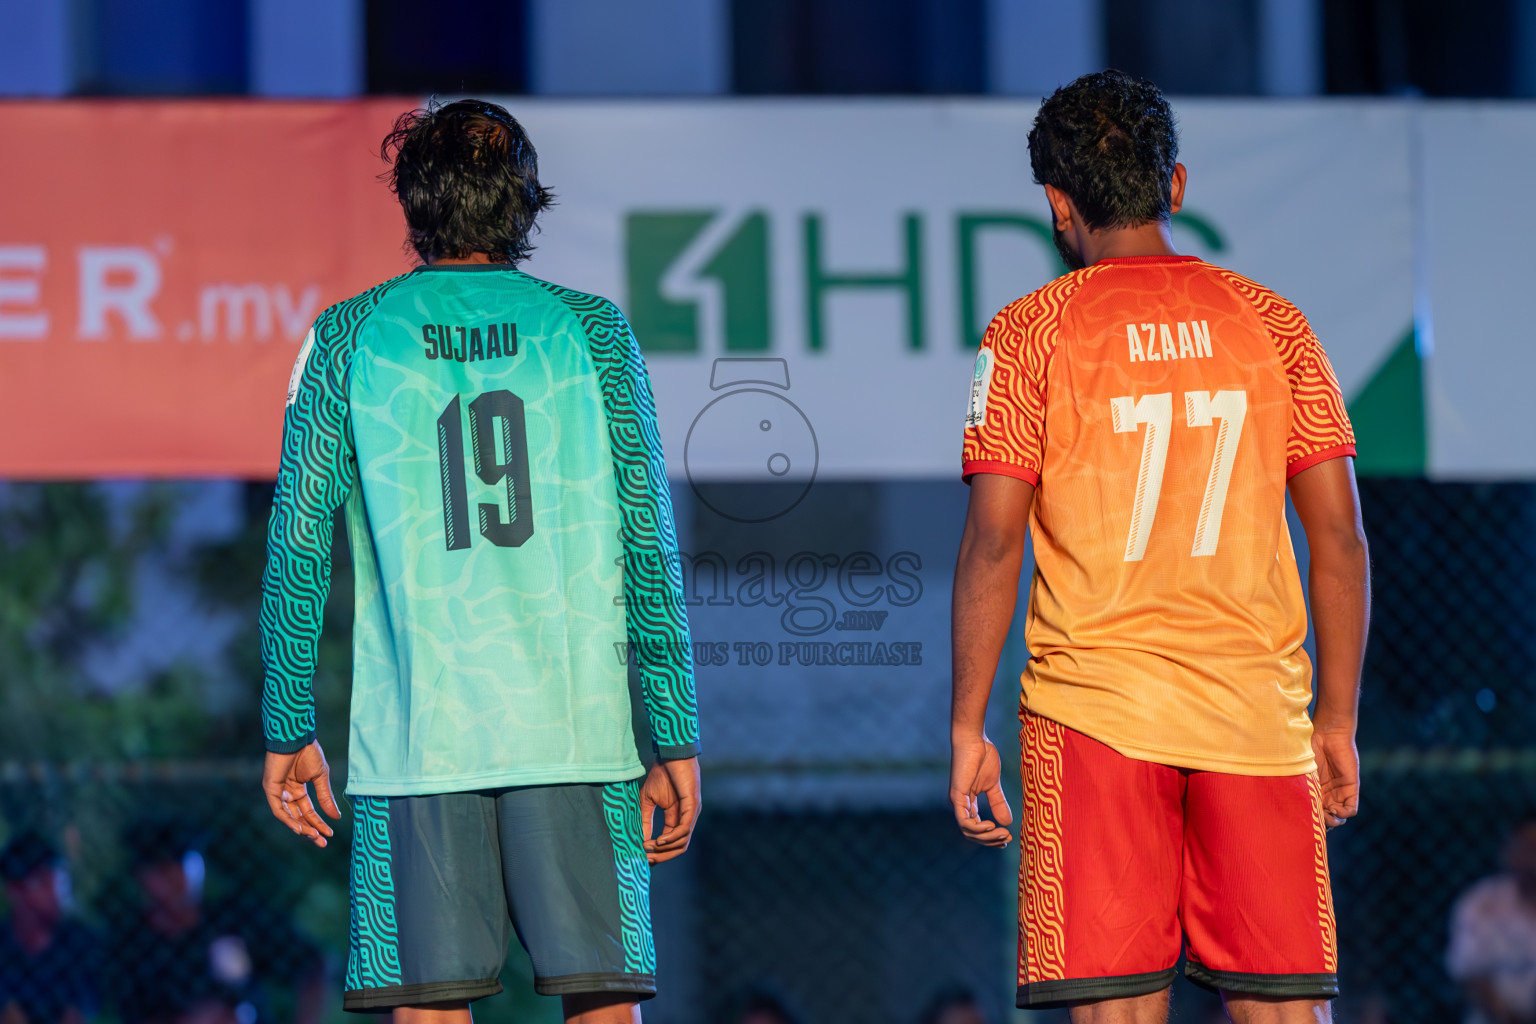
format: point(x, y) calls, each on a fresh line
point(66, 586)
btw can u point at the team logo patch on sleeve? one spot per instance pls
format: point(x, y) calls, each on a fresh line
point(981, 383)
point(298, 366)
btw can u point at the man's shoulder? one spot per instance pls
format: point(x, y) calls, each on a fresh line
point(345, 318)
point(1053, 297)
point(590, 309)
point(1036, 318)
point(598, 320)
point(1279, 314)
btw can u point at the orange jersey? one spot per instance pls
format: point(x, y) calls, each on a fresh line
point(1159, 405)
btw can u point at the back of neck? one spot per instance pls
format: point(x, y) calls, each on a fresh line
point(1154, 239)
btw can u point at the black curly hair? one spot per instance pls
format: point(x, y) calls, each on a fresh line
point(468, 180)
point(1108, 140)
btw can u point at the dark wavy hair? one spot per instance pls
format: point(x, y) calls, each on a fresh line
point(468, 180)
point(1108, 140)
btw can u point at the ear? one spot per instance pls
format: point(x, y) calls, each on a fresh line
point(1176, 193)
point(1061, 206)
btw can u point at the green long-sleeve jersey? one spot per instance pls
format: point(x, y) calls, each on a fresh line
point(493, 440)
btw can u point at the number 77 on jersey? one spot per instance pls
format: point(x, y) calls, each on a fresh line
point(1155, 413)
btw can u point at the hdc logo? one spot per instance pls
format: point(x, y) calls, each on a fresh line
point(700, 280)
point(701, 283)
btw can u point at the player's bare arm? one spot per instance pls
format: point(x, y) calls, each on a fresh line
point(286, 779)
point(1339, 586)
point(671, 787)
point(986, 589)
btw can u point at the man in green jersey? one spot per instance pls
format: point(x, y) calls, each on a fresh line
point(493, 440)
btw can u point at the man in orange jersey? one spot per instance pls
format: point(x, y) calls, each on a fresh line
point(1143, 417)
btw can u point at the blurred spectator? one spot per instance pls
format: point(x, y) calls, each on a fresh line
point(184, 961)
point(46, 958)
point(1493, 937)
point(956, 1005)
point(760, 1007)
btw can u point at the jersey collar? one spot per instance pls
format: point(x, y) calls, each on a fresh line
point(1134, 260)
point(440, 267)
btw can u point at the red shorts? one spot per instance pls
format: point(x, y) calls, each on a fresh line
point(1124, 862)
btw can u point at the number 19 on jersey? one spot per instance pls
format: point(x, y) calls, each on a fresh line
point(499, 439)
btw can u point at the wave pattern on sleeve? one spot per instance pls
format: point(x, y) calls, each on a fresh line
point(656, 619)
point(316, 473)
point(1021, 339)
point(1320, 422)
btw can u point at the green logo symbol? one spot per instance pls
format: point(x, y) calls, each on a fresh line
point(678, 262)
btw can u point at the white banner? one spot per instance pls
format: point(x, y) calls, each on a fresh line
point(1479, 217)
point(809, 278)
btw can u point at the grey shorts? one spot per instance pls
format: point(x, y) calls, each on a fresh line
point(438, 880)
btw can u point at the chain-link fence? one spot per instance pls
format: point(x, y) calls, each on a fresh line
point(1452, 657)
point(828, 876)
point(184, 902)
point(842, 915)
point(1431, 824)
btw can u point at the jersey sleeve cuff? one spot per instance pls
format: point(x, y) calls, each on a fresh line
point(974, 466)
point(1308, 461)
point(290, 746)
point(678, 751)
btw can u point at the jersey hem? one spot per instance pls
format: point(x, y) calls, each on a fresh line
point(1182, 759)
point(1326, 455)
point(553, 776)
point(974, 466)
point(1176, 759)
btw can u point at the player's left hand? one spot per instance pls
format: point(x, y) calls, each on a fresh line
point(286, 779)
point(672, 786)
point(1338, 772)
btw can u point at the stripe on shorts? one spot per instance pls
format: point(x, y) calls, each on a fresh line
point(1324, 886)
point(621, 808)
point(1042, 911)
point(373, 957)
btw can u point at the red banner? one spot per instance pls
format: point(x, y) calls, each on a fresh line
point(159, 265)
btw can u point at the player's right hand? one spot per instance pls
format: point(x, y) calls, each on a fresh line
point(285, 781)
point(672, 786)
point(974, 769)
